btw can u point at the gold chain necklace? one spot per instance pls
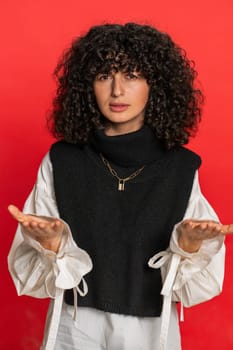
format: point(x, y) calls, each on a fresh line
point(121, 181)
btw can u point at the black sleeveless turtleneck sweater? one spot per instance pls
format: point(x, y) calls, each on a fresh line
point(122, 230)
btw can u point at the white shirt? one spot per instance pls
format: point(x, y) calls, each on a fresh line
point(189, 278)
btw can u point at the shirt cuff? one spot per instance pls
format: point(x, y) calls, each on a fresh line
point(40, 271)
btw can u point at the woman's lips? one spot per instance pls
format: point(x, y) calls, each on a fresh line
point(118, 107)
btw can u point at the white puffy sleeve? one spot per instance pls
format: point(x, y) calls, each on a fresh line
point(37, 271)
point(200, 275)
point(197, 276)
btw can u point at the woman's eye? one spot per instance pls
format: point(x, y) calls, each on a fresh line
point(102, 77)
point(132, 76)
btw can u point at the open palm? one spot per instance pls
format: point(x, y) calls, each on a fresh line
point(47, 231)
point(193, 232)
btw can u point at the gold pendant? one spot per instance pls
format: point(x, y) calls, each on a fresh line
point(121, 185)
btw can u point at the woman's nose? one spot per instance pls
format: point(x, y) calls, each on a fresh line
point(117, 86)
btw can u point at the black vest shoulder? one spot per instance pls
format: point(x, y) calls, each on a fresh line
point(122, 230)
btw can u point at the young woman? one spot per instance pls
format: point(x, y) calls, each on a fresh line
point(117, 198)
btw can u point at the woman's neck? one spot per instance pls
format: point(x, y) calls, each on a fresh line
point(121, 128)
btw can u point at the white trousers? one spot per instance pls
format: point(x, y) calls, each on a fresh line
point(99, 330)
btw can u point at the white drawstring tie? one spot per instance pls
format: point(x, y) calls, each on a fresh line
point(56, 313)
point(76, 291)
point(156, 262)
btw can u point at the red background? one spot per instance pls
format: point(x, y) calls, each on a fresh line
point(33, 35)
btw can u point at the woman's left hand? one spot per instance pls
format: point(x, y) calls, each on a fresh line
point(193, 232)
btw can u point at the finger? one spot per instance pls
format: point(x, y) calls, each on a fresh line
point(187, 224)
point(54, 225)
point(50, 227)
point(227, 229)
point(213, 227)
point(34, 230)
point(41, 225)
point(230, 228)
point(45, 228)
point(199, 222)
point(16, 213)
point(57, 224)
point(203, 226)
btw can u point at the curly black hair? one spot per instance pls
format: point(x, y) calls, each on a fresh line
point(173, 109)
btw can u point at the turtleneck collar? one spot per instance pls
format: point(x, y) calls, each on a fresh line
point(128, 150)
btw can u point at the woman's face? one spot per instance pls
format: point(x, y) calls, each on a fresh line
point(121, 98)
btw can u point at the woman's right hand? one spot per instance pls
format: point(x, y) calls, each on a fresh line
point(48, 232)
